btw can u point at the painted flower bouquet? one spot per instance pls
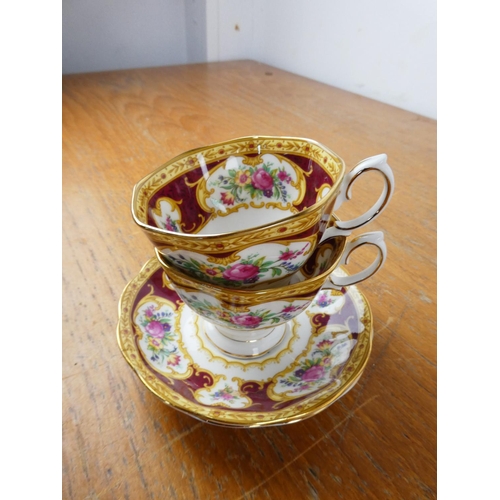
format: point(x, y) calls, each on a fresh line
point(253, 183)
point(247, 271)
point(158, 329)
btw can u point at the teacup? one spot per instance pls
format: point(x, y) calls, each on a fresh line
point(249, 322)
point(250, 210)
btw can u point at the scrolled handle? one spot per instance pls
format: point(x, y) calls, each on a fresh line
point(375, 238)
point(374, 163)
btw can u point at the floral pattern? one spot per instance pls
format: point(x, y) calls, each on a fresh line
point(258, 318)
point(225, 394)
point(167, 215)
point(159, 336)
point(323, 300)
point(328, 302)
point(254, 183)
point(169, 224)
point(316, 370)
point(198, 384)
point(246, 271)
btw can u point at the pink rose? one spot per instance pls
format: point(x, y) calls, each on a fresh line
point(262, 180)
point(246, 320)
point(283, 176)
point(314, 373)
point(155, 329)
point(289, 255)
point(240, 272)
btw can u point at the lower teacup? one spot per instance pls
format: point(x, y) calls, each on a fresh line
point(250, 322)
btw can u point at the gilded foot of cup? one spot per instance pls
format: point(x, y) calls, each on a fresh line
point(240, 344)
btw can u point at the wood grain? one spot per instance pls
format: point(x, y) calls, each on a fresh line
point(119, 440)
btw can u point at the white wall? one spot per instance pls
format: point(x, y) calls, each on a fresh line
point(196, 30)
point(100, 35)
point(383, 49)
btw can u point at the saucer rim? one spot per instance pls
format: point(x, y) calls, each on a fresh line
point(226, 420)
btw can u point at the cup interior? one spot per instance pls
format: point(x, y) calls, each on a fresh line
point(237, 185)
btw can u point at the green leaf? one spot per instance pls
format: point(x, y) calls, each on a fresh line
point(259, 262)
point(268, 263)
point(276, 271)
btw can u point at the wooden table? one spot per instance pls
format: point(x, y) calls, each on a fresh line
point(119, 440)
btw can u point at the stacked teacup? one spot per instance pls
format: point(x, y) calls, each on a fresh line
point(246, 235)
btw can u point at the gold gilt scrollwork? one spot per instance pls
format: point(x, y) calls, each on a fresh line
point(233, 257)
point(231, 210)
point(233, 242)
point(320, 191)
point(188, 161)
point(259, 384)
point(174, 208)
point(252, 161)
point(308, 407)
point(203, 193)
point(234, 307)
point(245, 365)
point(215, 379)
point(224, 261)
point(207, 202)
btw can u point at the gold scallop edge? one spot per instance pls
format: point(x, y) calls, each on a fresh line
point(180, 165)
point(232, 418)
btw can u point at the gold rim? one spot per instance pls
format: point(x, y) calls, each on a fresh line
point(304, 219)
point(227, 417)
point(245, 356)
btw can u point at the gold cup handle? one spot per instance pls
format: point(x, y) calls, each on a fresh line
point(375, 238)
point(376, 163)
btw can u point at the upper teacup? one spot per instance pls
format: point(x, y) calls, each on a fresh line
point(251, 209)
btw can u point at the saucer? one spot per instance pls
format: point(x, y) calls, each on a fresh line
point(321, 356)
